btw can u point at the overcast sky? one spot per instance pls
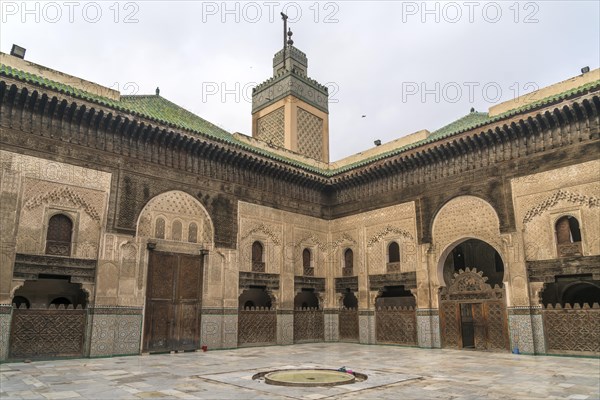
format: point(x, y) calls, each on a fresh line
point(407, 66)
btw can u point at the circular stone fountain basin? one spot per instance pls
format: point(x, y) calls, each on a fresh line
point(309, 377)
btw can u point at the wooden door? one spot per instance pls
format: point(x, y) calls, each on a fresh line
point(467, 328)
point(173, 302)
point(187, 305)
point(496, 325)
point(479, 326)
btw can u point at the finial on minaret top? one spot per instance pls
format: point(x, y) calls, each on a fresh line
point(290, 33)
point(284, 18)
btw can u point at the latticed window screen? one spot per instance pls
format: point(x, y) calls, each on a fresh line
point(307, 263)
point(193, 233)
point(176, 230)
point(348, 263)
point(258, 265)
point(306, 258)
point(58, 238)
point(159, 231)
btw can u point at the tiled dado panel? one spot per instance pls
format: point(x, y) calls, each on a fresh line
point(526, 330)
point(5, 314)
point(219, 328)
point(115, 331)
point(366, 327)
point(428, 328)
point(331, 325)
point(285, 326)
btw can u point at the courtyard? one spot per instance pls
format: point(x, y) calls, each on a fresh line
point(393, 373)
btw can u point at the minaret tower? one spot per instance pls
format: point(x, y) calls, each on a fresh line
point(290, 110)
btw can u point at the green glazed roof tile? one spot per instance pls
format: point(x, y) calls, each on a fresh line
point(462, 124)
point(164, 110)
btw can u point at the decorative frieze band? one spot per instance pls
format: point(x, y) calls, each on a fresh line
point(248, 279)
point(348, 282)
point(307, 282)
point(428, 312)
point(29, 266)
point(115, 310)
point(406, 279)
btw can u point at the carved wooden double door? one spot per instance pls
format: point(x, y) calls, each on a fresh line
point(478, 325)
point(173, 302)
point(472, 313)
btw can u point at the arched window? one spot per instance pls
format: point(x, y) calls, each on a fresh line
point(193, 233)
point(568, 236)
point(159, 230)
point(58, 238)
point(393, 257)
point(348, 269)
point(176, 229)
point(307, 263)
point(258, 264)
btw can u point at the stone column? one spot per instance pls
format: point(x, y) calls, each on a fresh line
point(428, 318)
point(332, 325)
point(526, 331)
point(285, 326)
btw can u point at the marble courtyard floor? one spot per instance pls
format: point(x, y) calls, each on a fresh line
point(394, 373)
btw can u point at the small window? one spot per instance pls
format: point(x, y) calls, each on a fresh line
point(567, 230)
point(159, 230)
point(176, 229)
point(193, 233)
point(258, 264)
point(58, 237)
point(307, 263)
point(348, 269)
point(568, 236)
point(393, 253)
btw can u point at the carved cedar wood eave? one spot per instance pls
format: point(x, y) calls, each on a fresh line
point(406, 279)
point(547, 270)
point(29, 266)
point(346, 282)
point(249, 279)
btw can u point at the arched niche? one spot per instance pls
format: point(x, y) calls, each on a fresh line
point(472, 253)
point(46, 292)
point(176, 216)
point(255, 298)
